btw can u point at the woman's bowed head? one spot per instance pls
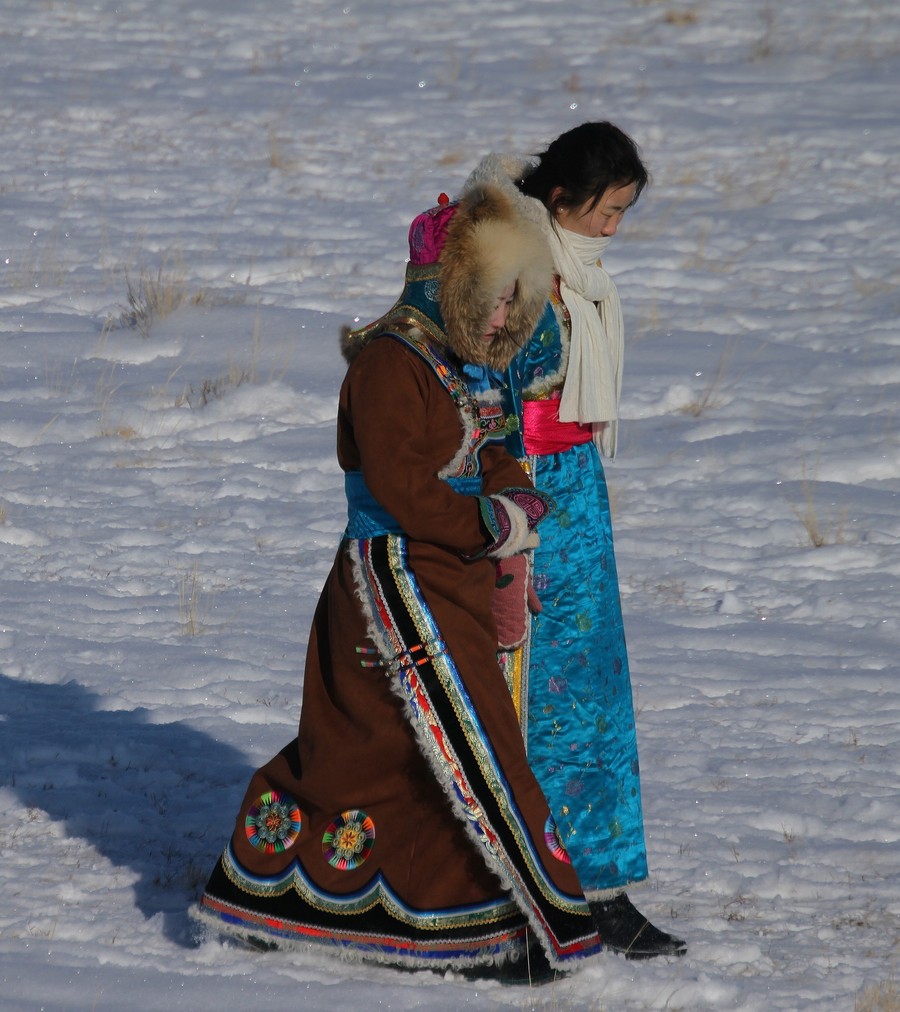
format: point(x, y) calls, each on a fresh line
point(588, 178)
point(495, 274)
point(497, 320)
point(477, 280)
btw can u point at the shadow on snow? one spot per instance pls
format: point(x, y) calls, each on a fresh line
point(147, 796)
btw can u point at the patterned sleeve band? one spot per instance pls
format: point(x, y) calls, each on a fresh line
point(510, 519)
point(536, 505)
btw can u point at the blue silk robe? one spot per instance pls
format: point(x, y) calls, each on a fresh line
point(572, 676)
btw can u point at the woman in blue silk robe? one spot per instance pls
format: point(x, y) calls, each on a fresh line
point(571, 674)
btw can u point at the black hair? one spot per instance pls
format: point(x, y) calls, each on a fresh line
point(584, 163)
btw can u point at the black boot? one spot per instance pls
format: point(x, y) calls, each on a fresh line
point(624, 929)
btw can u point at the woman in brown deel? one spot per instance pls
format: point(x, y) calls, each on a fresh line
point(403, 824)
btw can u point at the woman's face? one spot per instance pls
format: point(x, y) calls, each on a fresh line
point(498, 317)
point(604, 218)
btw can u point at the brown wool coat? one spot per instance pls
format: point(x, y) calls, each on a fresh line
point(356, 748)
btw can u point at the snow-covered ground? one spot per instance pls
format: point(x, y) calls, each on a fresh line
point(170, 503)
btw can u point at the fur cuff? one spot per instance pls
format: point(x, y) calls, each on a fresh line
point(511, 529)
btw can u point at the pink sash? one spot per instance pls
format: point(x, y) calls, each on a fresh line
point(545, 433)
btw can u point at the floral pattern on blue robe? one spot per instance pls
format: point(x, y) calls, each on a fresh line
point(579, 716)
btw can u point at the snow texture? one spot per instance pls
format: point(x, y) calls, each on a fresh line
point(170, 503)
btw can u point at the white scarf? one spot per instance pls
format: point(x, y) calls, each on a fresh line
point(593, 382)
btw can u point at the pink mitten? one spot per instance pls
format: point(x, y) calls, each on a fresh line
point(511, 601)
point(534, 602)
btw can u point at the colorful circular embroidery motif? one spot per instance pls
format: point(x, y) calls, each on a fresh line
point(273, 822)
point(554, 841)
point(349, 840)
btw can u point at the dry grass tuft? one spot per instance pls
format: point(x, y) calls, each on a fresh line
point(277, 159)
point(649, 321)
point(190, 596)
point(450, 158)
point(212, 389)
point(711, 395)
point(235, 376)
point(674, 17)
point(152, 297)
point(883, 997)
point(807, 513)
point(125, 432)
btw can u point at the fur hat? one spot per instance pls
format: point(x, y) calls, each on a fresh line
point(462, 257)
